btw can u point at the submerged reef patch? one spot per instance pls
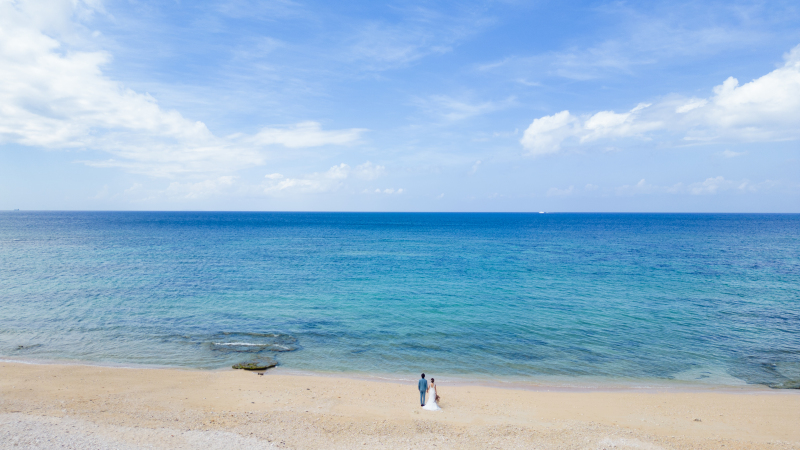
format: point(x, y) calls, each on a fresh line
point(252, 342)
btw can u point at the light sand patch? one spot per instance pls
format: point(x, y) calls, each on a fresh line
point(45, 406)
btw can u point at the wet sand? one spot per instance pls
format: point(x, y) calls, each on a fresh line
point(76, 406)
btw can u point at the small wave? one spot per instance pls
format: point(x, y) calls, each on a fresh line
point(268, 335)
point(245, 344)
point(240, 342)
point(253, 348)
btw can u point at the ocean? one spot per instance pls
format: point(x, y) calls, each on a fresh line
point(565, 299)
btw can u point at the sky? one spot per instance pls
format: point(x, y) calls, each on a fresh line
point(285, 105)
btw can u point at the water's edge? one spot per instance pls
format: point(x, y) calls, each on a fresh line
point(539, 384)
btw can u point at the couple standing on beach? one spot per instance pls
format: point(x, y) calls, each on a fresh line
point(428, 392)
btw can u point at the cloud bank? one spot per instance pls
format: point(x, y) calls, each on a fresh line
point(709, 186)
point(765, 109)
point(56, 96)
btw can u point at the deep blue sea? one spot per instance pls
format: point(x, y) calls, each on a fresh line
point(700, 298)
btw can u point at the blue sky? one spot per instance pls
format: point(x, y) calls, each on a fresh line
point(400, 106)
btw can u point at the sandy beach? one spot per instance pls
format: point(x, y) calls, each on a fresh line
point(76, 406)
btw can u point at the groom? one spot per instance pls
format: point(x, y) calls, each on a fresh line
point(423, 388)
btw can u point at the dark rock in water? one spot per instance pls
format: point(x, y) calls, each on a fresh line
point(778, 369)
point(790, 384)
point(259, 364)
point(28, 347)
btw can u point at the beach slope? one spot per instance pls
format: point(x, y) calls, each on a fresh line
point(75, 406)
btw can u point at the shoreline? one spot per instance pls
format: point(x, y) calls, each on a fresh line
point(535, 384)
point(101, 406)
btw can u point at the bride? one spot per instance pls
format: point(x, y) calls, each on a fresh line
point(431, 397)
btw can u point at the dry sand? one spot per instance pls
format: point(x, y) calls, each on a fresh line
point(74, 406)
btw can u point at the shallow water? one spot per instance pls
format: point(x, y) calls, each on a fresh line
point(694, 297)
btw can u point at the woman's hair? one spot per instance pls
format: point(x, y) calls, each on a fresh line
point(432, 380)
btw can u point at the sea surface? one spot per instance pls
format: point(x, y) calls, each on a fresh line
point(698, 298)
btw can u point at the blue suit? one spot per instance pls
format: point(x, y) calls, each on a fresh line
point(423, 388)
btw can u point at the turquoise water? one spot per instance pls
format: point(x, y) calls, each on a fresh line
point(520, 296)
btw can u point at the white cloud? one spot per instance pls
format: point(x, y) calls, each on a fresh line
point(453, 110)
point(54, 94)
point(525, 82)
point(102, 193)
point(731, 154)
point(262, 10)
point(639, 188)
point(388, 46)
point(330, 180)
point(369, 171)
point(339, 172)
point(475, 167)
point(556, 192)
point(765, 109)
point(709, 186)
point(545, 134)
point(387, 191)
point(136, 187)
point(314, 183)
point(305, 134)
point(418, 32)
point(572, 63)
point(201, 189)
point(691, 104)
point(609, 124)
point(642, 39)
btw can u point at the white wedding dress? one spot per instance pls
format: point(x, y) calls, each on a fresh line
point(430, 401)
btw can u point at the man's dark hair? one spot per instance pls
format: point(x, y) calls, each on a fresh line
point(423, 375)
